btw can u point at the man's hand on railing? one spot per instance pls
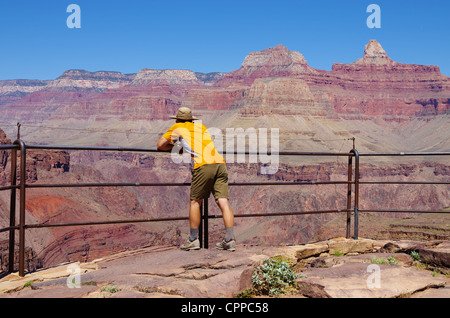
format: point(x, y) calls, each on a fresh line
point(165, 144)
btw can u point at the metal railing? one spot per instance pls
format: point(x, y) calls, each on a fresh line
point(353, 183)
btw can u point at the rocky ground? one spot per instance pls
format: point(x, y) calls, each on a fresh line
point(336, 268)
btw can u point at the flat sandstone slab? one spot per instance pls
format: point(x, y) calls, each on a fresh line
point(365, 280)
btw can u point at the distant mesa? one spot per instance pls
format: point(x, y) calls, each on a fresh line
point(77, 74)
point(150, 76)
point(275, 56)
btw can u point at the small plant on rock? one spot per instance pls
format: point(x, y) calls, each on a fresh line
point(110, 289)
point(338, 253)
point(28, 284)
point(392, 260)
point(415, 255)
point(273, 277)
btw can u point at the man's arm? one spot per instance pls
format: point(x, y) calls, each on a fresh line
point(164, 144)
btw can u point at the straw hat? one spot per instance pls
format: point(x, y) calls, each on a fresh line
point(184, 113)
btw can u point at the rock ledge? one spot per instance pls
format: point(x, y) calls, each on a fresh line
point(336, 268)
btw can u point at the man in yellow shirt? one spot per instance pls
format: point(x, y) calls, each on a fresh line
point(209, 174)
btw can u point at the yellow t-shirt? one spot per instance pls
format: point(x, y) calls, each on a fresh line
point(197, 141)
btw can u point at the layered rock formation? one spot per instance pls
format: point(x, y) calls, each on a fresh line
point(374, 85)
point(38, 163)
point(280, 95)
point(99, 81)
point(12, 90)
point(273, 62)
point(149, 76)
point(390, 88)
point(50, 161)
point(40, 99)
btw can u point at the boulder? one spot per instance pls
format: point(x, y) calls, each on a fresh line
point(351, 246)
point(309, 250)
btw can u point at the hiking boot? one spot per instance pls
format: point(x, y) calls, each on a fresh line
point(224, 245)
point(188, 245)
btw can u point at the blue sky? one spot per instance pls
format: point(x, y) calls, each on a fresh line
point(212, 35)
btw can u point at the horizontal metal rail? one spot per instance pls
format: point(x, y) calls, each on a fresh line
point(404, 182)
point(162, 184)
point(152, 150)
point(281, 153)
point(6, 147)
point(49, 225)
point(395, 154)
point(9, 188)
point(93, 148)
point(5, 229)
point(10, 146)
point(403, 211)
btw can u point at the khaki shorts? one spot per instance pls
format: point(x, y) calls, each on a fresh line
point(209, 178)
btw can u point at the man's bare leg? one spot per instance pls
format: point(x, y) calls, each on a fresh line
point(228, 218)
point(227, 213)
point(192, 243)
point(194, 218)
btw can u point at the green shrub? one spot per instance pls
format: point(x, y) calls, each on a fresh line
point(28, 284)
point(392, 260)
point(383, 261)
point(273, 277)
point(378, 260)
point(338, 253)
point(415, 256)
point(110, 289)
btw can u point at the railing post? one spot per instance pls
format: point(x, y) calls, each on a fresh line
point(23, 168)
point(349, 195)
point(12, 210)
point(355, 233)
point(200, 228)
point(205, 223)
